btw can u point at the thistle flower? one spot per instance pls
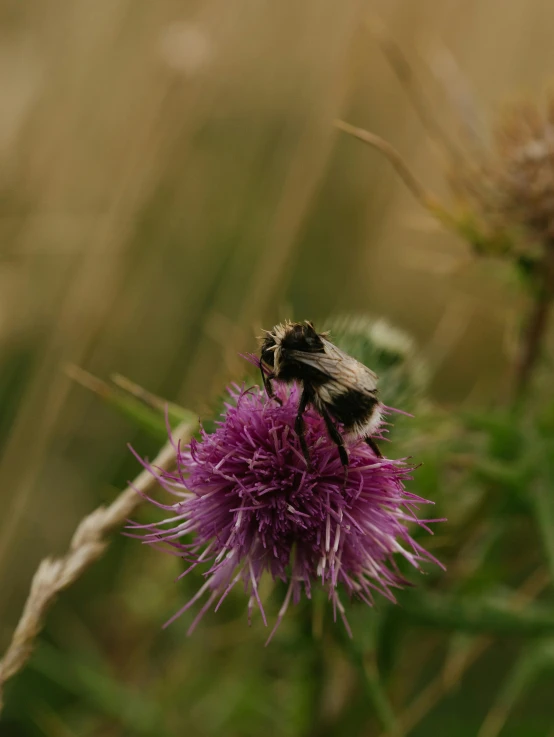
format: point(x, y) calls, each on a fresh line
point(524, 173)
point(510, 185)
point(500, 188)
point(252, 506)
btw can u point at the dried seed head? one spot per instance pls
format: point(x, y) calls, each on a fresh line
point(512, 186)
point(525, 168)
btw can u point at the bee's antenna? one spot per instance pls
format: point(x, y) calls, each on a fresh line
point(261, 338)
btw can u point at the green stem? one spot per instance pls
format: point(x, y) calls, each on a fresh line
point(537, 325)
point(373, 687)
point(312, 629)
point(543, 504)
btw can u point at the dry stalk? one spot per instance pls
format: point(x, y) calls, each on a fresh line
point(403, 69)
point(419, 191)
point(87, 545)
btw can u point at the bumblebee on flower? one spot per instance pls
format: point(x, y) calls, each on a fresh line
point(253, 506)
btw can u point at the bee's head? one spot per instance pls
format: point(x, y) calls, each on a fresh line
point(296, 336)
point(302, 336)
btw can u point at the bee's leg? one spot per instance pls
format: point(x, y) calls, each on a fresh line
point(374, 447)
point(299, 426)
point(335, 436)
point(267, 378)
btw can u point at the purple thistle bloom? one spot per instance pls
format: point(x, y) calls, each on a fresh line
point(246, 496)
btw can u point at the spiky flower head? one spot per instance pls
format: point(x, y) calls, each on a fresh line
point(390, 351)
point(524, 175)
point(247, 505)
point(511, 186)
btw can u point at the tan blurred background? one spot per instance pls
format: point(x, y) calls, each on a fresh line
point(171, 180)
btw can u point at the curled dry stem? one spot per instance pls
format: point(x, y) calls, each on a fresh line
point(401, 66)
point(419, 191)
point(87, 545)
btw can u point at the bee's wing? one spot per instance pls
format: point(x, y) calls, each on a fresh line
point(340, 367)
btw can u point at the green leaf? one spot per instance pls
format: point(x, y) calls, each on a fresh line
point(510, 476)
point(145, 410)
point(131, 707)
point(543, 506)
point(494, 615)
point(526, 670)
point(175, 413)
point(504, 435)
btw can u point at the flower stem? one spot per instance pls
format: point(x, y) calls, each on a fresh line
point(373, 687)
point(537, 325)
point(312, 625)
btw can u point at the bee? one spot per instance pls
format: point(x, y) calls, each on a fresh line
point(341, 389)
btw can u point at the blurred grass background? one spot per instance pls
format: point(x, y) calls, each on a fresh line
point(170, 181)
